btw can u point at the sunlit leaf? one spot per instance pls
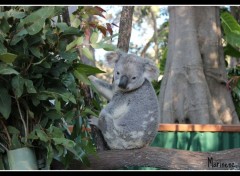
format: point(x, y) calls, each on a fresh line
point(86, 52)
point(87, 69)
point(74, 43)
point(94, 37)
point(8, 57)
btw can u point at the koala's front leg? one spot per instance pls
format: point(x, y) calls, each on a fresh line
point(103, 87)
point(93, 121)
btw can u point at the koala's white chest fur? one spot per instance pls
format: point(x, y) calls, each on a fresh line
point(120, 111)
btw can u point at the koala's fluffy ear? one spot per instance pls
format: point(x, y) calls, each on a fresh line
point(151, 71)
point(113, 57)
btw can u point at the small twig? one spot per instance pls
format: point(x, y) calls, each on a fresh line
point(7, 134)
point(21, 116)
point(3, 146)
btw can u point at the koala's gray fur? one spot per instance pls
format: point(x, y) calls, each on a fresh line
point(130, 120)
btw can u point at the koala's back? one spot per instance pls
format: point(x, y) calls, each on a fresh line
point(130, 120)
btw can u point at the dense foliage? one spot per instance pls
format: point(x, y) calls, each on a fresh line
point(41, 75)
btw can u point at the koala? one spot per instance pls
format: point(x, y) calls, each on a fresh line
point(130, 119)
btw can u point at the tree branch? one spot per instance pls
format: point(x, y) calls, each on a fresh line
point(170, 159)
point(125, 28)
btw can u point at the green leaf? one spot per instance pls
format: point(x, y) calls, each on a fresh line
point(69, 81)
point(62, 26)
point(42, 135)
point(16, 14)
point(233, 39)
point(73, 31)
point(4, 25)
point(17, 84)
point(17, 38)
point(8, 57)
point(81, 77)
point(35, 27)
point(32, 135)
point(94, 37)
point(66, 96)
point(15, 142)
point(231, 51)
point(5, 103)
point(64, 142)
point(89, 111)
point(109, 37)
point(55, 132)
point(74, 43)
point(87, 69)
point(42, 13)
point(7, 70)
point(36, 51)
point(50, 155)
point(3, 49)
point(87, 53)
point(105, 46)
point(13, 130)
point(29, 86)
point(75, 23)
point(68, 56)
point(53, 115)
point(229, 23)
point(35, 101)
point(57, 105)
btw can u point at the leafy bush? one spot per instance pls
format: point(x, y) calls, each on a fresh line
point(41, 74)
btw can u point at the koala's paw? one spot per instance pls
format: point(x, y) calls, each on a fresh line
point(93, 121)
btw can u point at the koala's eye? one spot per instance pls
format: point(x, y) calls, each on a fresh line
point(117, 73)
point(134, 77)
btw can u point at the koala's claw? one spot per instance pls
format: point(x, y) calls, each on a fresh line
point(93, 121)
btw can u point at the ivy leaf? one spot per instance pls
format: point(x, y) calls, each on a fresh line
point(7, 70)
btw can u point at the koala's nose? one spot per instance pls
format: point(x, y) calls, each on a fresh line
point(123, 82)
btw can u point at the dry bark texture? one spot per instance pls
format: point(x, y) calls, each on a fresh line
point(193, 88)
point(125, 28)
point(170, 159)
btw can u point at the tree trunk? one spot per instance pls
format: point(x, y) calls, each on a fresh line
point(170, 159)
point(193, 88)
point(125, 28)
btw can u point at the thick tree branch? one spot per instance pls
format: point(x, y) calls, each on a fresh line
point(125, 28)
point(170, 159)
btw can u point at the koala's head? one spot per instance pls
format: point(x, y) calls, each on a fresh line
point(130, 71)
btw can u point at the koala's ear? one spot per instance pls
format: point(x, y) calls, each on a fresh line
point(151, 71)
point(113, 57)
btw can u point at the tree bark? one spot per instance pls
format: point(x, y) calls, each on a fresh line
point(125, 28)
point(170, 159)
point(193, 88)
